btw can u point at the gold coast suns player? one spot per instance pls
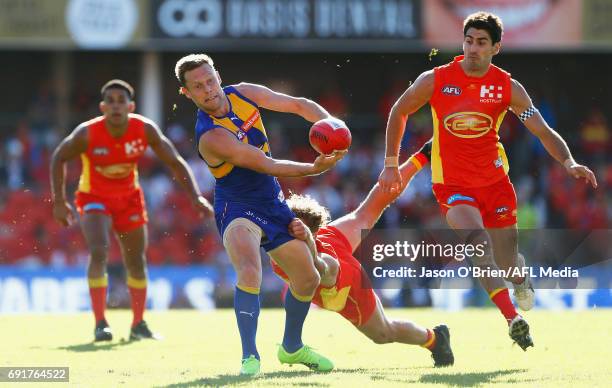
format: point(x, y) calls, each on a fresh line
point(345, 288)
point(109, 195)
point(469, 98)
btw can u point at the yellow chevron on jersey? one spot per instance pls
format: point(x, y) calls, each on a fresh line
point(243, 120)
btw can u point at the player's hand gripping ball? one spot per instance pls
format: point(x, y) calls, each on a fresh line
point(329, 135)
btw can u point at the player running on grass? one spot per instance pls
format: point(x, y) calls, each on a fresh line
point(109, 195)
point(344, 287)
point(469, 98)
point(250, 209)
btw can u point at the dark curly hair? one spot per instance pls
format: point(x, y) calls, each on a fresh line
point(311, 212)
point(485, 21)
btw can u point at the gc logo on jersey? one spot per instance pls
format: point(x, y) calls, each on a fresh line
point(468, 125)
point(116, 171)
point(451, 90)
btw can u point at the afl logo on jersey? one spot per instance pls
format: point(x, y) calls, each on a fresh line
point(451, 90)
point(468, 124)
point(100, 151)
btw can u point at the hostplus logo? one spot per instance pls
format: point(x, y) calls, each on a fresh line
point(134, 147)
point(491, 94)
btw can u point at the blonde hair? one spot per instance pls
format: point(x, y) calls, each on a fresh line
point(190, 62)
point(311, 212)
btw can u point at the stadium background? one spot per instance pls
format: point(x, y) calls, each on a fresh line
point(354, 57)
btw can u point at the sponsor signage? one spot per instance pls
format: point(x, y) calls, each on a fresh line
point(48, 290)
point(271, 22)
point(297, 25)
point(66, 291)
point(527, 23)
point(90, 24)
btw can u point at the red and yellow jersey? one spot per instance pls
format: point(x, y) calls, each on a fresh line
point(352, 295)
point(467, 113)
point(110, 165)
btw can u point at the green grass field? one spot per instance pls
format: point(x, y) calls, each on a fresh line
point(202, 349)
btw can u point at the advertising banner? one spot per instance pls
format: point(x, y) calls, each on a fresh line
point(286, 25)
point(62, 24)
point(49, 290)
point(597, 27)
point(297, 25)
point(528, 24)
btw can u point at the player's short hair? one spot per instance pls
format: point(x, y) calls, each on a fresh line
point(118, 84)
point(485, 21)
point(190, 62)
point(307, 209)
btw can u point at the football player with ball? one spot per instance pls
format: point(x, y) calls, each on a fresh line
point(250, 209)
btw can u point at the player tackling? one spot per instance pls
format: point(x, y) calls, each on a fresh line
point(344, 286)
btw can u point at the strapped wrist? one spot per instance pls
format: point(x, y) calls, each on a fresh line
point(569, 162)
point(392, 161)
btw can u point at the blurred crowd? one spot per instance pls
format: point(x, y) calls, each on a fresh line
point(547, 196)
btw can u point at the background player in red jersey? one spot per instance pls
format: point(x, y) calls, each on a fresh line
point(469, 98)
point(344, 288)
point(109, 195)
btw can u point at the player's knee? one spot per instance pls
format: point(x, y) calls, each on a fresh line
point(98, 253)
point(483, 254)
point(249, 275)
point(136, 266)
point(311, 282)
point(307, 283)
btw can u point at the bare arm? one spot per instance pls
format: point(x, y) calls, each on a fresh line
point(552, 141)
point(373, 206)
point(71, 147)
point(417, 95)
point(325, 264)
point(222, 145)
point(280, 102)
point(167, 153)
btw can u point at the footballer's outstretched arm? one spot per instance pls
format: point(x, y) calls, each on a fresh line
point(280, 102)
point(370, 210)
point(417, 95)
point(522, 106)
point(220, 144)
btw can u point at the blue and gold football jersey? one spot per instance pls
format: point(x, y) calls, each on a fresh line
point(235, 183)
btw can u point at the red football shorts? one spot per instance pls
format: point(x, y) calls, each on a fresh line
point(127, 212)
point(496, 202)
point(361, 301)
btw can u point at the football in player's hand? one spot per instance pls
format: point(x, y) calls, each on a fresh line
point(329, 135)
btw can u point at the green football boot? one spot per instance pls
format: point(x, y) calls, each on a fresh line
point(250, 366)
point(305, 356)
